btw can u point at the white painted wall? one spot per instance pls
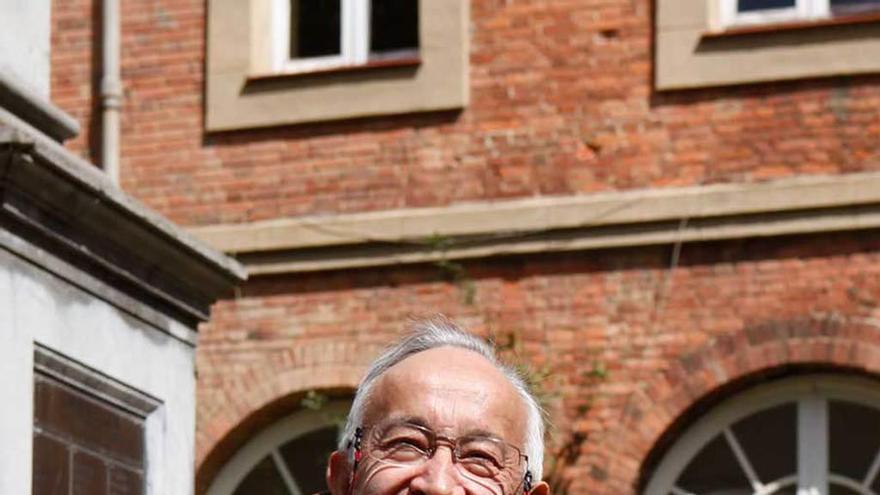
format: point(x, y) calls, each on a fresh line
point(24, 42)
point(36, 306)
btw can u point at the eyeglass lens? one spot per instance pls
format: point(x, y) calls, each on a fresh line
point(488, 461)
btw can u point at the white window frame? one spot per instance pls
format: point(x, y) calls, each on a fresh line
point(803, 10)
point(267, 443)
point(354, 43)
point(811, 393)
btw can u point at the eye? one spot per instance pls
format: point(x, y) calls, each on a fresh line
point(407, 442)
point(403, 445)
point(484, 456)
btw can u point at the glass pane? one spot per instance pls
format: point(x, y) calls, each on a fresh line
point(89, 475)
point(85, 421)
point(769, 439)
point(315, 27)
point(125, 482)
point(51, 468)
point(844, 7)
point(853, 437)
point(394, 25)
point(714, 470)
point(306, 457)
point(758, 5)
point(263, 479)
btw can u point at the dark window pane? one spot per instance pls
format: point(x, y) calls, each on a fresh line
point(315, 27)
point(264, 479)
point(51, 467)
point(769, 439)
point(89, 475)
point(86, 421)
point(125, 482)
point(853, 437)
point(306, 457)
point(845, 7)
point(394, 25)
point(715, 470)
point(758, 5)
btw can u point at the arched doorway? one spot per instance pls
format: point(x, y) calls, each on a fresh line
point(287, 458)
point(807, 435)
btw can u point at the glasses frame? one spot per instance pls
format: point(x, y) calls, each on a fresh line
point(356, 445)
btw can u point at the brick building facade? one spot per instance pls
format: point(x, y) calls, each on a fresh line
point(657, 205)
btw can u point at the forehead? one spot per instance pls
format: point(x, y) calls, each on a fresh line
point(454, 391)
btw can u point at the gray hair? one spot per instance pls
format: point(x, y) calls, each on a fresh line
point(440, 332)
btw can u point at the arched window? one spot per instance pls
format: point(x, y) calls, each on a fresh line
point(287, 458)
point(811, 435)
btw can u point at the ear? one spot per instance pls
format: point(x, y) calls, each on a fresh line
point(338, 473)
point(540, 488)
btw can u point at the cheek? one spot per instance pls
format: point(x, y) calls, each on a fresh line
point(384, 479)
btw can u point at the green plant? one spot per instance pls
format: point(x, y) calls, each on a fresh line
point(317, 401)
point(556, 465)
point(314, 401)
point(544, 384)
point(452, 270)
point(599, 370)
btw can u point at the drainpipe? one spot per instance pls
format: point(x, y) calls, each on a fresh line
point(111, 89)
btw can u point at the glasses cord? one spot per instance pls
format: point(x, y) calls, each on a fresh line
point(355, 444)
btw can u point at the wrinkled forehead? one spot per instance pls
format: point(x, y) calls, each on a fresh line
point(452, 391)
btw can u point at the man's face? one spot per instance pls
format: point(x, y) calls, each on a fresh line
point(452, 392)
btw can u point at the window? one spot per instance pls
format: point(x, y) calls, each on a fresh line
point(275, 62)
point(748, 12)
point(287, 458)
point(89, 432)
point(814, 435)
point(313, 35)
point(699, 44)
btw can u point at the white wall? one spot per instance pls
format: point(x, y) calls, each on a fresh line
point(24, 42)
point(36, 306)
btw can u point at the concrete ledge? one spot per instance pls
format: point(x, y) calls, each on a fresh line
point(29, 106)
point(791, 206)
point(61, 203)
point(599, 238)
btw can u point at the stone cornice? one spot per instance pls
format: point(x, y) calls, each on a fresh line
point(65, 205)
point(630, 218)
point(51, 120)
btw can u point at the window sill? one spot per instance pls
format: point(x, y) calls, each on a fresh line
point(690, 54)
point(778, 27)
point(393, 63)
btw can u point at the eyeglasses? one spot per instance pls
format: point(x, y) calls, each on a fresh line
point(486, 460)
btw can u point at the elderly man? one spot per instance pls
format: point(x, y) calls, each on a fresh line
point(438, 414)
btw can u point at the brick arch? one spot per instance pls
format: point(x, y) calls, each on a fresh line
point(667, 402)
point(255, 400)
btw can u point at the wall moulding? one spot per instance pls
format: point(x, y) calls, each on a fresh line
point(606, 220)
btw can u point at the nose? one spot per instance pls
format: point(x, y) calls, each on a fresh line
point(438, 475)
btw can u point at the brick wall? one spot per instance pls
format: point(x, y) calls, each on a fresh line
point(620, 333)
point(562, 103)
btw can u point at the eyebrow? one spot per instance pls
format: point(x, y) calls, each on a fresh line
point(421, 421)
point(413, 420)
point(479, 432)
